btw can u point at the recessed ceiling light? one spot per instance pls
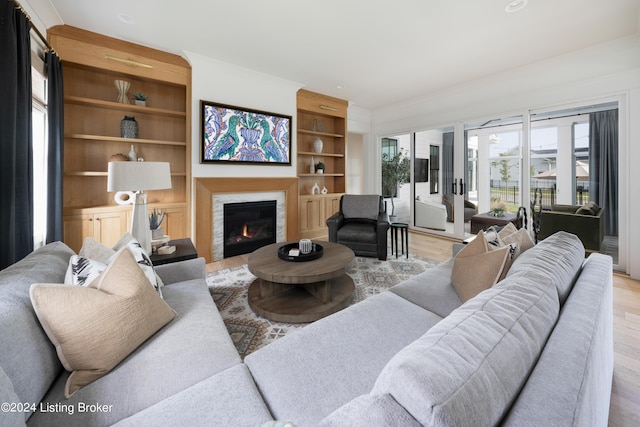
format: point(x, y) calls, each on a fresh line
point(126, 18)
point(515, 5)
point(340, 87)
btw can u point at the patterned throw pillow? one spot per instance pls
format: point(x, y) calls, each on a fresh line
point(95, 257)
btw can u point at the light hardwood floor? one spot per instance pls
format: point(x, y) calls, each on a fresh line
point(625, 396)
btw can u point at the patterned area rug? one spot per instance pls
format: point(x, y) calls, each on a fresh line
point(249, 332)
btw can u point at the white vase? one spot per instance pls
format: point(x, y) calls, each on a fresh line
point(123, 88)
point(317, 145)
point(133, 156)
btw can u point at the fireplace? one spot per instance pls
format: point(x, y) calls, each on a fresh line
point(248, 226)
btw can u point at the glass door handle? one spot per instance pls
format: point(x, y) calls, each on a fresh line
point(461, 187)
point(454, 186)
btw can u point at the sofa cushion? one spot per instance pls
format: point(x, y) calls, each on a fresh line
point(557, 259)
point(571, 382)
point(307, 375)
point(11, 415)
point(467, 368)
point(32, 364)
point(229, 398)
point(93, 328)
point(431, 289)
point(191, 348)
point(370, 410)
point(478, 267)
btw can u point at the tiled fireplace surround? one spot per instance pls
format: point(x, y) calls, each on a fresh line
point(212, 193)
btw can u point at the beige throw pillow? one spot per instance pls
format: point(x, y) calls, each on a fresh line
point(519, 239)
point(94, 328)
point(478, 267)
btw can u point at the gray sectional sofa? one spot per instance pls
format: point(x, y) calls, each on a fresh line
point(535, 349)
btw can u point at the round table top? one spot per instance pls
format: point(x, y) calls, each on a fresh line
point(265, 264)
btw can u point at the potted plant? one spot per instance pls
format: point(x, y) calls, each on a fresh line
point(395, 172)
point(140, 98)
point(155, 220)
point(320, 167)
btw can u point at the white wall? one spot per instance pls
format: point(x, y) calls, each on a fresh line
point(224, 83)
point(605, 72)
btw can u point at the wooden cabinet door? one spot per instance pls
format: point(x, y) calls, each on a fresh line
point(108, 227)
point(311, 214)
point(331, 206)
point(174, 223)
point(76, 229)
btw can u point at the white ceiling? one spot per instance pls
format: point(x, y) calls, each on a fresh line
point(380, 52)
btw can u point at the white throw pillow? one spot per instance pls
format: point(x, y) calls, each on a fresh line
point(94, 258)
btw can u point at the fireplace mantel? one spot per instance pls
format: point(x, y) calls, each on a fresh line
point(206, 188)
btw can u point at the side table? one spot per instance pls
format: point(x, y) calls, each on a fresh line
point(404, 237)
point(184, 251)
point(485, 220)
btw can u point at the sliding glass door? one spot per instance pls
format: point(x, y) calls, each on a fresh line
point(438, 185)
point(574, 174)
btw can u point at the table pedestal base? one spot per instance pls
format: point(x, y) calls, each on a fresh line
point(301, 303)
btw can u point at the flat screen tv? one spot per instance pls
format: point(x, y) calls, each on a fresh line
point(243, 135)
point(421, 170)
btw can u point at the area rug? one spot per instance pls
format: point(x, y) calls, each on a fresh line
point(229, 289)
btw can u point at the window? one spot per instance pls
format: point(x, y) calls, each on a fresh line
point(39, 128)
point(434, 169)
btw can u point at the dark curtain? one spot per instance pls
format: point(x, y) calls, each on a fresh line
point(603, 166)
point(55, 115)
point(447, 163)
point(16, 161)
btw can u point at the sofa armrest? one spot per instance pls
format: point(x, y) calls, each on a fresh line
point(180, 271)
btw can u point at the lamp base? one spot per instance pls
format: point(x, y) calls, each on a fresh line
point(140, 228)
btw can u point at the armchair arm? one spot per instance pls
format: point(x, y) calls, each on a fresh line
point(382, 226)
point(334, 222)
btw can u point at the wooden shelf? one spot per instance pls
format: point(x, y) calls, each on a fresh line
point(311, 153)
point(92, 137)
point(123, 107)
point(313, 132)
point(98, 173)
point(124, 140)
point(319, 175)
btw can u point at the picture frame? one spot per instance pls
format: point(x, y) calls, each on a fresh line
point(231, 134)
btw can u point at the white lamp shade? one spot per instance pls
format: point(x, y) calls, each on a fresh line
point(138, 176)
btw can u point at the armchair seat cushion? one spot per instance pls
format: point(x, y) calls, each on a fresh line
point(360, 232)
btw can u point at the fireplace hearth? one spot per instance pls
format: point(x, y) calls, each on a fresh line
point(248, 226)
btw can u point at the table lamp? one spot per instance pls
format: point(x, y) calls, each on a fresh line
point(138, 177)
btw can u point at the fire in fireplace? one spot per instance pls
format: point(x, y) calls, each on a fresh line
point(248, 226)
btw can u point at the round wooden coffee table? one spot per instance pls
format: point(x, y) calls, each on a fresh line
point(300, 292)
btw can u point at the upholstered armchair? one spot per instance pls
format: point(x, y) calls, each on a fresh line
point(361, 224)
point(430, 215)
point(470, 209)
point(586, 222)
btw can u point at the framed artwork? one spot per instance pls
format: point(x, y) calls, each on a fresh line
point(245, 136)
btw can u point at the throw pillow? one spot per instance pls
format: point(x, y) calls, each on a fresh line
point(589, 208)
point(519, 239)
point(83, 271)
point(94, 327)
point(94, 257)
point(478, 267)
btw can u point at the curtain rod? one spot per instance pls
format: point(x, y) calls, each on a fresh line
point(34, 28)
